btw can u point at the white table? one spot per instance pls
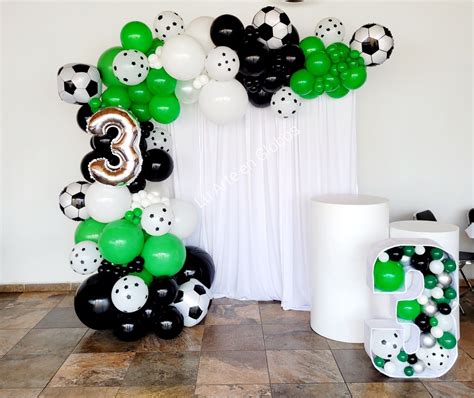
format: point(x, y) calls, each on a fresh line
point(343, 227)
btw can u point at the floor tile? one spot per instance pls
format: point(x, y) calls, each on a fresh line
point(39, 299)
point(303, 366)
point(467, 338)
point(273, 313)
point(66, 302)
point(102, 341)
point(20, 392)
point(190, 339)
point(9, 296)
point(356, 367)
point(104, 370)
point(8, 338)
point(463, 369)
point(156, 392)
point(326, 390)
point(157, 369)
point(28, 371)
point(292, 337)
point(20, 317)
point(233, 367)
point(388, 390)
point(60, 318)
point(339, 345)
point(233, 314)
point(231, 391)
point(450, 389)
point(48, 342)
point(225, 301)
point(233, 337)
point(79, 392)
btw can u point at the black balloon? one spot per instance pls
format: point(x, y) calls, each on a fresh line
point(260, 99)
point(253, 57)
point(83, 114)
point(292, 57)
point(250, 33)
point(163, 291)
point(89, 157)
point(423, 322)
point(148, 313)
point(146, 128)
point(412, 359)
point(444, 308)
point(168, 323)
point(102, 142)
point(294, 36)
point(252, 84)
point(129, 327)
point(421, 262)
point(227, 30)
point(93, 303)
point(198, 265)
point(138, 184)
point(274, 79)
point(157, 165)
point(395, 253)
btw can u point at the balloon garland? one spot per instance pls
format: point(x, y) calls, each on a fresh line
point(223, 65)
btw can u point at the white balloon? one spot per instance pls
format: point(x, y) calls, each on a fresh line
point(422, 300)
point(107, 203)
point(85, 257)
point(186, 92)
point(437, 292)
point(185, 218)
point(168, 24)
point(445, 322)
point(157, 219)
point(420, 250)
point(436, 267)
point(390, 368)
point(131, 67)
point(159, 138)
point(285, 103)
point(183, 57)
point(386, 343)
point(222, 63)
point(200, 29)
point(330, 30)
point(383, 257)
point(161, 188)
point(129, 293)
point(437, 332)
point(223, 102)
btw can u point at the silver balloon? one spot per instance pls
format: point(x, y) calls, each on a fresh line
point(430, 308)
point(186, 92)
point(419, 367)
point(444, 279)
point(427, 340)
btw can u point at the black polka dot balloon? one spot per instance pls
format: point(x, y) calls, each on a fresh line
point(157, 219)
point(129, 294)
point(85, 257)
point(285, 103)
point(131, 67)
point(167, 25)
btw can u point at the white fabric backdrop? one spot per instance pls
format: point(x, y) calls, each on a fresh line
point(252, 181)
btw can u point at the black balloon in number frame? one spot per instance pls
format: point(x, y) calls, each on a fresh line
point(423, 322)
point(421, 262)
point(157, 165)
point(395, 253)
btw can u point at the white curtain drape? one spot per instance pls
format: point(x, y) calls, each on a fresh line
point(252, 181)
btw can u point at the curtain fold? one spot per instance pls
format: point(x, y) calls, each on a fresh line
point(252, 181)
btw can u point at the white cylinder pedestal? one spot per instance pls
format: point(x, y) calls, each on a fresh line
point(343, 227)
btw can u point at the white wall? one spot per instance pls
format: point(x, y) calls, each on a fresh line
point(414, 113)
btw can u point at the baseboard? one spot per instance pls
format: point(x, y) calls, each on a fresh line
point(39, 287)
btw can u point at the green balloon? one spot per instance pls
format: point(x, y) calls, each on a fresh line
point(430, 281)
point(338, 51)
point(379, 362)
point(409, 371)
point(160, 83)
point(355, 78)
point(311, 95)
point(95, 104)
point(164, 255)
point(433, 321)
point(402, 356)
point(154, 45)
point(441, 300)
point(116, 96)
point(339, 92)
point(388, 276)
point(301, 82)
point(141, 112)
point(447, 340)
point(105, 66)
point(409, 251)
point(449, 266)
point(331, 83)
point(354, 54)
point(436, 253)
point(121, 241)
point(89, 229)
point(408, 309)
point(310, 45)
point(164, 109)
point(318, 63)
point(136, 35)
point(139, 93)
point(333, 70)
point(145, 275)
point(450, 293)
point(342, 66)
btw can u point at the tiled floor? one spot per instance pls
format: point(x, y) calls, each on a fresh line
point(244, 349)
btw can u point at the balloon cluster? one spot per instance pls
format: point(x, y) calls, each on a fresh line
point(222, 66)
point(430, 311)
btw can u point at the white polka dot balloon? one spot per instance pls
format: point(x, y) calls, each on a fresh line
point(330, 30)
point(157, 219)
point(85, 257)
point(159, 138)
point(129, 294)
point(167, 25)
point(222, 63)
point(285, 103)
point(131, 67)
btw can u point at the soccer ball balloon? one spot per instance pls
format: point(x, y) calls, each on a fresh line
point(274, 27)
point(374, 42)
point(193, 301)
point(72, 201)
point(78, 83)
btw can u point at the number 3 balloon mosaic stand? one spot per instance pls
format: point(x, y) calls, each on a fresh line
point(417, 337)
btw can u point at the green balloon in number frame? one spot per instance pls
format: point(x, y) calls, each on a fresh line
point(160, 82)
point(388, 276)
point(116, 96)
point(164, 109)
point(105, 66)
point(141, 112)
point(89, 229)
point(356, 77)
point(140, 93)
point(121, 241)
point(408, 309)
point(339, 92)
point(302, 82)
point(318, 63)
point(310, 45)
point(430, 281)
point(164, 255)
point(136, 35)
point(447, 340)
point(154, 45)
